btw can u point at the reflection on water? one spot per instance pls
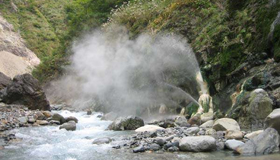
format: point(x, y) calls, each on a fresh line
point(50, 143)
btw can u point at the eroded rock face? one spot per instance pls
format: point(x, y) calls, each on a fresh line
point(128, 123)
point(224, 124)
point(15, 57)
point(4, 81)
point(265, 143)
point(197, 144)
point(25, 90)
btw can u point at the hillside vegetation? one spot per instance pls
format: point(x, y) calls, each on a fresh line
point(220, 31)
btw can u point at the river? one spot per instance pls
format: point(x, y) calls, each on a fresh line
point(50, 143)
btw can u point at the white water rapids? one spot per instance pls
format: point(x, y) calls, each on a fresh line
point(50, 143)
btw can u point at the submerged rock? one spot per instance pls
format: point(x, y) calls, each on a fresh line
point(104, 140)
point(197, 144)
point(224, 124)
point(25, 90)
point(265, 143)
point(69, 126)
point(128, 123)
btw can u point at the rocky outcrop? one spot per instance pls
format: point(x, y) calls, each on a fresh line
point(224, 124)
point(4, 81)
point(128, 123)
point(197, 144)
point(273, 120)
point(25, 90)
point(15, 57)
point(265, 143)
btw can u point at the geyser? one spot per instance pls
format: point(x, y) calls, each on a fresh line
point(111, 72)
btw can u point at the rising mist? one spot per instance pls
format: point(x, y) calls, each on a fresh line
point(109, 71)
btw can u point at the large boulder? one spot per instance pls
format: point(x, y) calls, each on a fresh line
point(128, 123)
point(224, 124)
point(253, 134)
point(25, 90)
point(4, 81)
point(265, 143)
point(197, 143)
point(273, 120)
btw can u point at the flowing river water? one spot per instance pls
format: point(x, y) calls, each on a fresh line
point(50, 143)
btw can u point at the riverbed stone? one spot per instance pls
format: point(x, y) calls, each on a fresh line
point(224, 124)
point(47, 114)
point(149, 128)
point(155, 147)
point(58, 117)
point(273, 120)
point(206, 117)
point(71, 118)
point(42, 122)
point(39, 115)
point(22, 120)
point(69, 126)
point(208, 124)
point(128, 123)
point(253, 134)
point(181, 121)
point(233, 134)
point(265, 143)
point(191, 131)
point(138, 149)
point(197, 143)
point(232, 144)
point(104, 140)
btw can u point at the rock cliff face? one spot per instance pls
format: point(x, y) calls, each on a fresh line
point(15, 57)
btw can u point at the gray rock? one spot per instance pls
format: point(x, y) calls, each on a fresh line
point(233, 144)
point(39, 115)
point(181, 121)
point(155, 147)
point(4, 81)
point(265, 143)
point(197, 144)
point(191, 131)
point(128, 123)
point(58, 117)
point(208, 124)
point(54, 122)
point(25, 90)
point(224, 124)
point(31, 119)
point(71, 118)
point(22, 120)
point(138, 149)
point(220, 145)
point(104, 140)
point(42, 122)
point(173, 149)
point(89, 112)
point(160, 141)
point(69, 126)
point(273, 120)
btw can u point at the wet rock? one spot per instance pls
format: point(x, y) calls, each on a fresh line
point(89, 112)
point(149, 128)
point(191, 131)
point(160, 141)
point(208, 124)
point(104, 140)
point(138, 149)
point(128, 123)
point(42, 122)
point(220, 145)
point(273, 120)
point(54, 122)
point(71, 118)
point(4, 81)
point(232, 144)
point(31, 119)
point(253, 134)
point(69, 126)
point(173, 149)
point(234, 134)
point(155, 147)
point(58, 117)
point(265, 143)
point(25, 90)
point(197, 144)
point(224, 124)
point(47, 114)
